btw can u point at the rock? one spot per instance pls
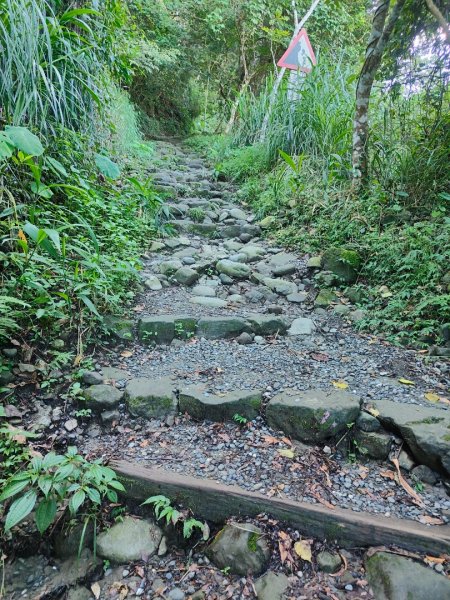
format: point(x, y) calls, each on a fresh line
point(313, 415)
point(236, 299)
point(225, 279)
point(275, 309)
point(354, 294)
point(325, 298)
point(153, 283)
point(6, 377)
point(315, 262)
point(329, 562)
point(232, 245)
point(162, 548)
point(92, 378)
point(71, 425)
point(186, 276)
point(109, 416)
point(342, 262)
point(214, 328)
point(357, 315)
point(188, 260)
point(301, 326)
point(424, 429)
point(9, 352)
point(205, 229)
point(405, 461)
point(374, 444)
point(157, 246)
point(342, 309)
point(79, 593)
point(245, 338)
point(209, 302)
point(163, 329)
point(394, 577)
point(114, 374)
point(151, 398)
point(242, 548)
point(267, 222)
point(132, 539)
point(26, 368)
point(237, 213)
point(233, 269)
point(267, 325)
point(102, 396)
point(119, 327)
point(253, 252)
point(297, 298)
point(425, 474)
point(176, 594)
point(203, 290)
point(367, 422)
point(280, 286)
point(169, 267)
point(200, 405)
point(271, 586)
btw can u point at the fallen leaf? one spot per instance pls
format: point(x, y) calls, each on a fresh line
point(427, 520)
point(388, 474)
point(406, 381)
point(126, 353)
point(341, 385)
point(431, 397)
point(374, 412)
point(320, 357)
point(95, 589)
point(303, 550)
point(405, 485)
point(434, 559)
point(270, 439)
point(286, 453)
point(139, 571)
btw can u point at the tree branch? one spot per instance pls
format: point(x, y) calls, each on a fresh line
point(434, 10)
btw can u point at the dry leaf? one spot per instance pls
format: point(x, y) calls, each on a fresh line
point(270, 439)
point(374, 412)
point(431, 397)
point(405, 485)
point(303, 549)
point(286, 453)
point(95, 589)
point(341, 385)
point(406, 381)
point(430, 520)
point(126, 353)
point(436, 560)
point(388, 474)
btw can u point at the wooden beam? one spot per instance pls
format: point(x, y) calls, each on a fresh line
point(216, 503)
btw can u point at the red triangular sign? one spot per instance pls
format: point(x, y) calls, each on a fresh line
point(300, 55)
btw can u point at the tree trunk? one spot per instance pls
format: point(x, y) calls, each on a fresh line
point(434, 10)
point(379, 36)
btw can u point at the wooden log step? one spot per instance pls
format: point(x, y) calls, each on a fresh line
point(216, 503)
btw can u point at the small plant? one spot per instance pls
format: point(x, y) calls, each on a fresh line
point(417, 484)
point(240, 419)
point(197, 214)
point(83, 413)
point(164, 509)
point(55, 481)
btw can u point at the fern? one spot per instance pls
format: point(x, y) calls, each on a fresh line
point(9, 315)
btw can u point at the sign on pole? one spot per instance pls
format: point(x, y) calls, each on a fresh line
point(300, 55)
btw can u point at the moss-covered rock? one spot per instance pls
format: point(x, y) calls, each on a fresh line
point(151, 398)
point(325, 298)
point(215, 328)
point(120, 327)
point(313, 415)
point(101, 396)
point(199, 405)
point(342, 262)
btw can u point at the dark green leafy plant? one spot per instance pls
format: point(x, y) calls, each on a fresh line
point(57, 482)
point(164, 510)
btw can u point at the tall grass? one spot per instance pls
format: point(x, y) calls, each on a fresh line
point(49, 64)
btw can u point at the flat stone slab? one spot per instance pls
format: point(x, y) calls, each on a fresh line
point(194, 401)
point(425, 429)
point(151, 398)
point(237, 270)
point(132, 539)
point(162, 329)
point(214, 328)
point(101, 396)
point(314, 415)
point(280, 286)
point(209, 301)
point(204, 290)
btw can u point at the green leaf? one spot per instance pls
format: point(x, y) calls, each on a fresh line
point(90, 305)
point(76, 501)
point(63, 472)
point(94, 495)
point(41, 190)
point(13, 488)
point(24, 140)
point(45, 514)
point(56, 166)
point(288, 159)
point(20, 509)
point(107, 167)
point(6, 146)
